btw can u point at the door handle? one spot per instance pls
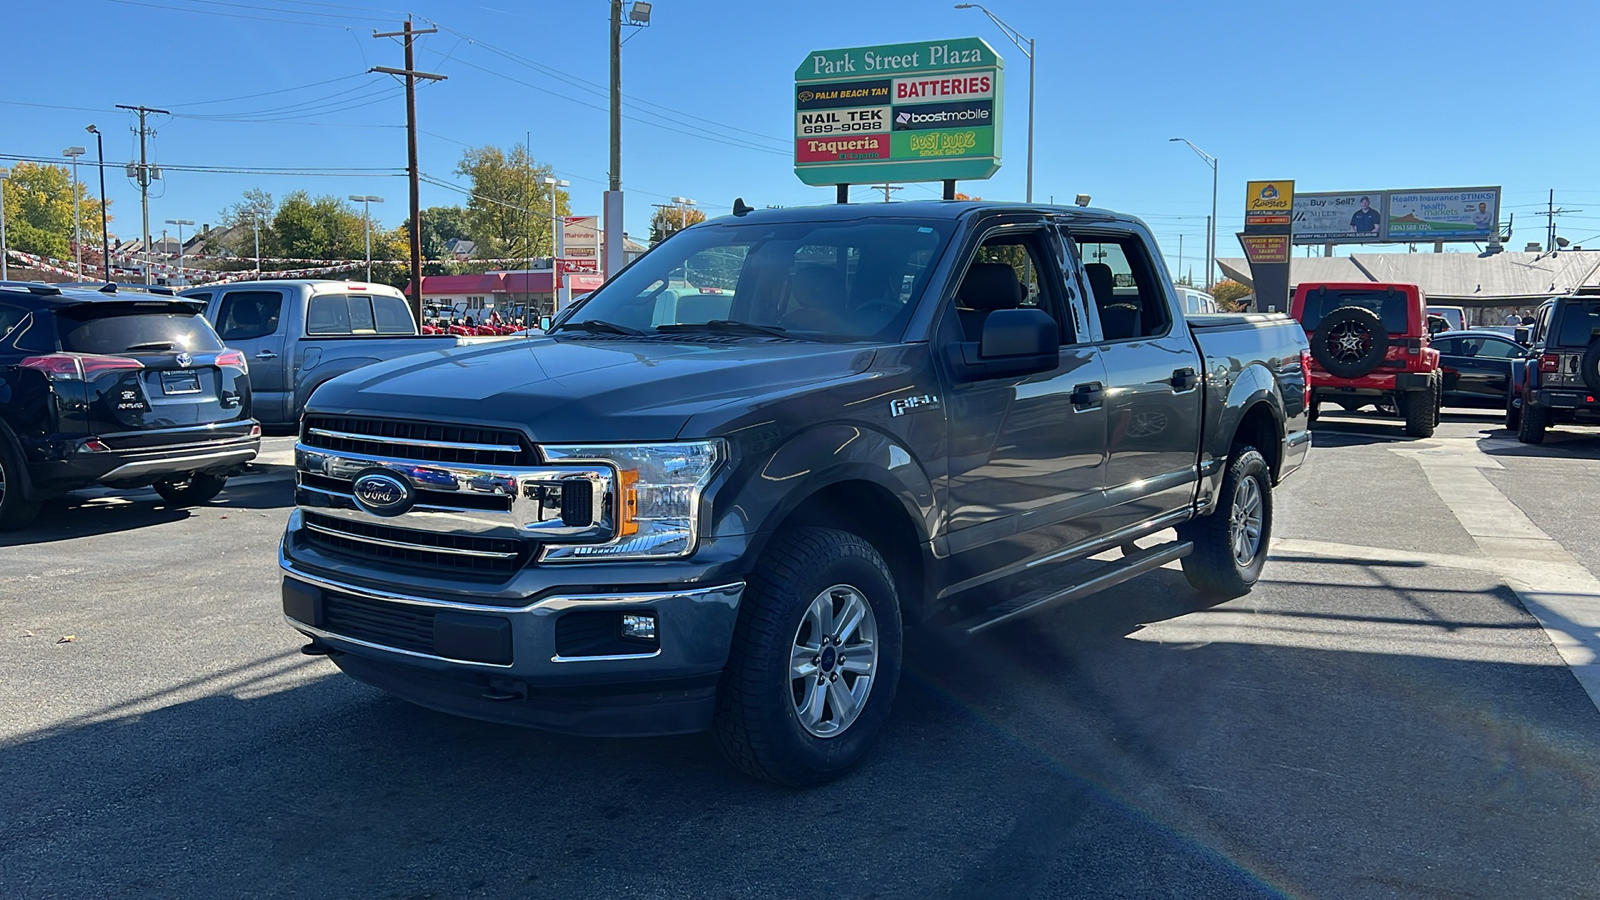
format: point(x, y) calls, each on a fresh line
point(1088, 396)
point(1184, 379)
point(266, 354)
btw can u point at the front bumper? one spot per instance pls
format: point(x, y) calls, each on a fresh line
point(517, 664)
point(81, 465)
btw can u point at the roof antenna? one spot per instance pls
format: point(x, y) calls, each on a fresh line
point(740, 208)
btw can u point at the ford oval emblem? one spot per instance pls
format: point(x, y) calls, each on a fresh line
point(383, 493)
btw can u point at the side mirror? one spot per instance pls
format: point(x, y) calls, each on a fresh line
point(1523, 335)
point(544, 323)
point(1014, 342)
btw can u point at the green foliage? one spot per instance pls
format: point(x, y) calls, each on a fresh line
point(324, 228)
point(38, 211)
point(670, 220)
point(509, 213)
point(1230, 295)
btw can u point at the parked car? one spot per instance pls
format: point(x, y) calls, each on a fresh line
point(120, 389)
point(1564, 385)
point(1196, 303)
point(726, 520)
point(1456, 316)
point(1370, 344)
point(1476, 367)
point(299, 334)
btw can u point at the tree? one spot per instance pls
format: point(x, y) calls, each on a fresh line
point(38, 211)
point(324, 228)
point(1230, 295)
point(234, 235)
point(440, 225)
point(509, 213)
point(669, 220)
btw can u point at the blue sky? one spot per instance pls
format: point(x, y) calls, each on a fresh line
point(1356, 96)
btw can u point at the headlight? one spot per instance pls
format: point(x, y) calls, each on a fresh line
point(656, 499)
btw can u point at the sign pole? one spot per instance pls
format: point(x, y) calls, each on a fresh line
point(949, 189)
point(843, 194)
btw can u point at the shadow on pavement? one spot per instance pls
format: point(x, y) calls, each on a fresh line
point(1560, 442)
point(1053, 758)
point(98, 511)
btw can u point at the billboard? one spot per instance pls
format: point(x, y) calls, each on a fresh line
point(1352, 218)
point(580, 237)
point(927, 111)
point(1268, 202)
point(1424, 214)
point(1449, 214)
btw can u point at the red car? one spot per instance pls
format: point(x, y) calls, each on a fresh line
point(1370, 345)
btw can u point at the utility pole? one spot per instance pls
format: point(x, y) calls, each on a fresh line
point(410, 74)
point(145, 177)
point(613, 200)
point(180, 223)
point(886, 188)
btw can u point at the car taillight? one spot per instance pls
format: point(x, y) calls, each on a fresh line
point(1305, 374)
point(78, 367)
point(233, 358)
point(1414, 347)
point(1550, 363)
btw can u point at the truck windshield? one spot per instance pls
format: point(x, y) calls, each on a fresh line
point(1580, 323)
point(1390, 305)
point(820, 281)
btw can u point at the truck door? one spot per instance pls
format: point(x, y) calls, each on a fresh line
point(1153, 399)
point(250, 320)
point(1026, 453)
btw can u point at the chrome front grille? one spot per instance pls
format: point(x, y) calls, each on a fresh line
point(420, 441)
point(455, 553)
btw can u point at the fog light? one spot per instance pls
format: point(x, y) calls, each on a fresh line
point(639, 626)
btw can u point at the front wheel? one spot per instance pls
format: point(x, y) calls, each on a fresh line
point(1230, 544)
point(15, 511)
point(192, 489)
point(815, 659)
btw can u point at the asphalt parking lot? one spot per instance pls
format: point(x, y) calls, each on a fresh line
point(1405, 708)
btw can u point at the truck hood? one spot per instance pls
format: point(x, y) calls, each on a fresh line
point(582, 390)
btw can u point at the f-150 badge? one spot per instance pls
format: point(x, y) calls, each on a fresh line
point(910, 404)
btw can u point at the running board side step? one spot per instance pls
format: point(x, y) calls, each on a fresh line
point(1108, 576)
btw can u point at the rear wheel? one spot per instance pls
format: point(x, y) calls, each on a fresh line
point(15, 512)
point(1535, 419)
point(1421, 409)
point(1230, 544)
point(192, 489)
point(815, 659)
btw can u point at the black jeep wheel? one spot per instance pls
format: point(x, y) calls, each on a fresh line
point(1230, 544)
point(1535, 419)
point(815, 659)
point(1350, 342)
point(1421, 410)
point(192, 489)
point(15, 512)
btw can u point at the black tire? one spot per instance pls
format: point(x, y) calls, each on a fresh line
point(15, 512)
point(757, 725)
point(1421, 410)
point(1513, 415)
point(190, 490)
point(1591, 366)
point(1535, 419)
point(1213, 568)
point(1350, 342)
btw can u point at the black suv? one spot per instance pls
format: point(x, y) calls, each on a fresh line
point(1559, 382)
point(125, 390)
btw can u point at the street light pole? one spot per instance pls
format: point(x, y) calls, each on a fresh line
point(77, 223)
point(105, 228)
point(5, 272)
point(366, 201)
point(180, 223)
point(1211, 229)
point(1016, 37)
point(555, 241)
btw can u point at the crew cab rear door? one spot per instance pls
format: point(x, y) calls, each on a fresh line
point(252, 321)
point(1153, 394)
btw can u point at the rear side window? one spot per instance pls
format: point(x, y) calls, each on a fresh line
point(122, 331)
point(1580, 324)
point(1389, 305)
point(391, 315)
point(328, 314)
point(1122, 282)
point(246, 315)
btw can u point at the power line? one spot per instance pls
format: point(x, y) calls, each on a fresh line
point(286, 90)
point(277, 9)
point(241, 170)
point(211, 12)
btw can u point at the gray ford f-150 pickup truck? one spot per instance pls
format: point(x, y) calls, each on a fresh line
point(853, 420)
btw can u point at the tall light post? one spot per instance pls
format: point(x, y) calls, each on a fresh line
point(366, 202)
point(1211, 229)
point(73, 153)
point(105, 229)
point(683, 204)
point(555, 242)
point(180, 223)
point(1016, 38)
point(5, 272)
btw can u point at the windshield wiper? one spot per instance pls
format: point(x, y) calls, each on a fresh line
point(729, 326)
point(152, 345)
point(599, 326)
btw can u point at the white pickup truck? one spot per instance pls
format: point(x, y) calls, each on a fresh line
point(299, 333)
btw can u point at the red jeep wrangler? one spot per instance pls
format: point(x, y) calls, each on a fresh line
point(1370, 344)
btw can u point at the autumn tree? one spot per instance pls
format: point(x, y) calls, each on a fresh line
point(38, 211)
point(1230, 295)
point(670, 220)
point(509, 213)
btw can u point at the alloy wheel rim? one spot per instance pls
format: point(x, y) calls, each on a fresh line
point(833, 660)
point(1349, 341)
point(1245, 522)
